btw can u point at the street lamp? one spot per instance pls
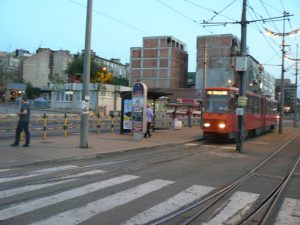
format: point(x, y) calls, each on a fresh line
point(283, 35)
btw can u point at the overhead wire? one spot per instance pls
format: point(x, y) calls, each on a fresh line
point(222, 10)
point(112, 18)
point(209, 10)
point(271, 6)
point(262, 3)
point(183, 15)
point(258, 28)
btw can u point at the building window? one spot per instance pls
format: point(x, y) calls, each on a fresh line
point(65, 96)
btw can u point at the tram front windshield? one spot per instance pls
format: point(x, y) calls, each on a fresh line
point(216, 102)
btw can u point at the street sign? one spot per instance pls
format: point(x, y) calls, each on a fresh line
point(239, 111)
point(242, 101)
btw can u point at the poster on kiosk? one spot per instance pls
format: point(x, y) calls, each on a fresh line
point(138, 114)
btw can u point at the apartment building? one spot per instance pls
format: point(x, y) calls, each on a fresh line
point(162, 62)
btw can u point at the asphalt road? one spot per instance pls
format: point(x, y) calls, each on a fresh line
point(136, 187)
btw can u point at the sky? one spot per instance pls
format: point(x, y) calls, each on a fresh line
point(118, 25)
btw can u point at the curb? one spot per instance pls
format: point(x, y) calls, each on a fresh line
point(97, 155)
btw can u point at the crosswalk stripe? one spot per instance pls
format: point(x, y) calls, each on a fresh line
point(289, 213)
point(37, 173)
point(78, 215)
point(27, 188)
point(86, 173)
point(28, 206)
point(172, 204)
point(238, 204)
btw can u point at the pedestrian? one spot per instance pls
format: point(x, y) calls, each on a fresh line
point(23, 123)
point(149, 118)
point(174, 118)
point(189, 114)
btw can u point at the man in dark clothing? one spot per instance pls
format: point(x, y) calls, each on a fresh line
point(23, 123)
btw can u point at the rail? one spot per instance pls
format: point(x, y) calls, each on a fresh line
point(218, 195)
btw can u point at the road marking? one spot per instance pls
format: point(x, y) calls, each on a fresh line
point(86, 173)
point(237, 205)
point(289, 213)
point(54, 169)
point(27, 188)
point(170, 205)
point(28, 206)
point(38, 173)
point(78, 215)
point(191, 144)
point(4, 170)
point(228, 147)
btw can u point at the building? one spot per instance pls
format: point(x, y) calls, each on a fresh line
point(103, 97)
point(217, 62)
point(114, 66)
point(162, 62)
point(11, 74)
point(289, 94)
point(40, 67)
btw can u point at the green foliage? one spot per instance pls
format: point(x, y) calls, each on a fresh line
point(120, 81)
point(32, 92)
point(76, 67)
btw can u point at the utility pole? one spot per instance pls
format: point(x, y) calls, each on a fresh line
point(242, 89)
point(282, 77)
point(296, 83)
point(86, 80)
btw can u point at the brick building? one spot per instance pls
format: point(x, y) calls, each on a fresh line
point(162, 62)
point(218, 53)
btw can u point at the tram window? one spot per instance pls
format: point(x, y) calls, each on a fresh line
point(216, 104)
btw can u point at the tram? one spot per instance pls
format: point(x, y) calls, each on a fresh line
point(220, 118)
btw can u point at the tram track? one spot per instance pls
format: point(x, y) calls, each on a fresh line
point(264, 210)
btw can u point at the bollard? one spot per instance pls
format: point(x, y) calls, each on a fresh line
point(98, 123)
point(45, 126)
point(112, 124)
point(65, 125)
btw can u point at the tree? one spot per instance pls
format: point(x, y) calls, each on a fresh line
point(76, 66)
point(120, 81)
point(103, 76)
point(32, 92)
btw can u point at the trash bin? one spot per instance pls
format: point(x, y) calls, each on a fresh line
point(177, 124)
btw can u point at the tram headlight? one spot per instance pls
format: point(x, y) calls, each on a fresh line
point(206, 124)
point(222, 125)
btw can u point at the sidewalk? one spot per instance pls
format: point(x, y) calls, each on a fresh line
point(59, 149)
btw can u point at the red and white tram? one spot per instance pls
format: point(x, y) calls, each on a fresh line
point(220, 119)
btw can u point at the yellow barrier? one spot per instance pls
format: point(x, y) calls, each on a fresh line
point(42, 122)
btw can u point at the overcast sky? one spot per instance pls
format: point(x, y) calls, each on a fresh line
point(120, 24)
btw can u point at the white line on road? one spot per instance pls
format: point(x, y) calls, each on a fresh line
point(191, 144)
point(4, 170)
point(27, 188)
point(37, 173)
point(289, 213)
point(86, 173)
point(28, 206)
point(238, 204)
point(78, 215)
point(172, 204)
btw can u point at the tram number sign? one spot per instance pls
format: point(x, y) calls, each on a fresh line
point(239, 111)
point(242, 101)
